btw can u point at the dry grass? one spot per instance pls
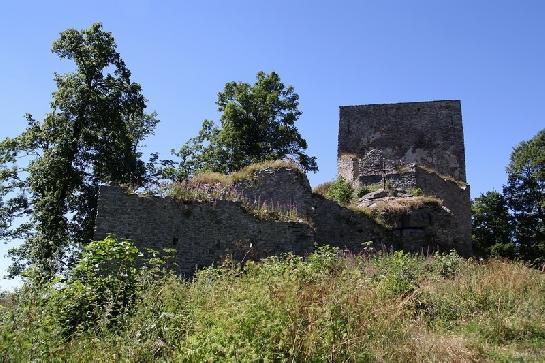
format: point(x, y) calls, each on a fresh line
point(246, 173)
point(407, 204)
point(272, 212)
point(210, 192)
point(385, 212)
point(211, 177)
point(328, 307)
point(322, 189)
point(250, 171)
point(460, 183)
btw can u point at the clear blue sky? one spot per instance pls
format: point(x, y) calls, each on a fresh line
point(489, 54)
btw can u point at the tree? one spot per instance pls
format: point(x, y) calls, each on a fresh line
point(525, 196)
point(49, 175)
point(491, 226)
point(257, 124)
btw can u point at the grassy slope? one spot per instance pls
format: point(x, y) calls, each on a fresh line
point(393, 307)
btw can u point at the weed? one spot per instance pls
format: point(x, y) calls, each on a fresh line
point(327, 306)
point(340, 191)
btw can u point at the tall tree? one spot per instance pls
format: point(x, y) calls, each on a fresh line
point(525, 195)
point(491, 226)
point(51, 172)
point(257, 124)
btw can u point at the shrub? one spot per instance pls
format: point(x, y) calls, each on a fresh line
point(447, 265)
point(415, 191)
point(507, 250)
point(399, 272)
point(101, 287)
point(329, 306)
point(341, 191)
point(366, 189)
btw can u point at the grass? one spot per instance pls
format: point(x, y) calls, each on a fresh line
point(322, 189)
point(385, 212)
point(407, 204)
point(249, 172)
point(460, 183)
point(205, 192)
point(366, 189)
point(211, 177)
point(212, 186)
point(330, 306)
point(273, 212)
point(245, 174)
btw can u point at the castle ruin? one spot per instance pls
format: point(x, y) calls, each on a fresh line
point(396, 148)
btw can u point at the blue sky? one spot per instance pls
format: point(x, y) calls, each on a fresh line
point(489, 54)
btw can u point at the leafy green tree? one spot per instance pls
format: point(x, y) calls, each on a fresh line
point(257, 124)
point(491, 226)
point(525, 196)
point(49, 175)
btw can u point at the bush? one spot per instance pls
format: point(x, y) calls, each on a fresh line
point(366, 189)
point(102, 286)
point(341, 191)
point(399, 273)
point(507, 250)
point(416, 191)
point(447, 265)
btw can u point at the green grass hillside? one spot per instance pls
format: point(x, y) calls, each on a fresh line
point(327, 307)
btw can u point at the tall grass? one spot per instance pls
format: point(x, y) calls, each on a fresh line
point(329, 306)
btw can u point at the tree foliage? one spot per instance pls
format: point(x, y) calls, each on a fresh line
point(525, 196)
point(257, 124)
point(491, 226)
point(50, 174)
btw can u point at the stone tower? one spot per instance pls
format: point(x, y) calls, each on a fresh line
point(374, 137)
point(409, 146)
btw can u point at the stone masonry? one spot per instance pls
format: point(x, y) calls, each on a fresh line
point(202, 233)
point(407, 146)
point(426, 133)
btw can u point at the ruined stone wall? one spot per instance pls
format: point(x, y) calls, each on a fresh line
point(426, 230)
point(345, 228)
point(282, 188)
point(202, 233)
point(425, 133)
point(456, 197)
point(403, 180)
point(348, 167)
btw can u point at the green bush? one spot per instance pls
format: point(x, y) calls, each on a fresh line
point(341, 191)
point(366, 189)
point(399, 273)
point(416, 191)
point(447, 265)
point(507, 250)
point(100, 288)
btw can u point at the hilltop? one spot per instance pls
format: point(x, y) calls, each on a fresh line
point(328, 307)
